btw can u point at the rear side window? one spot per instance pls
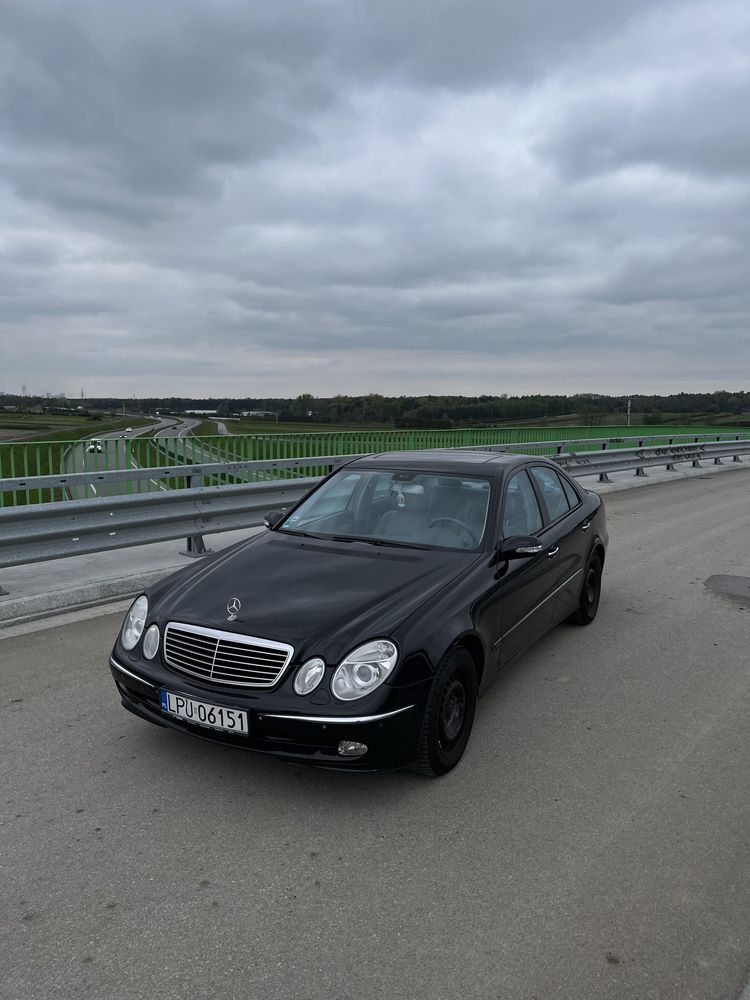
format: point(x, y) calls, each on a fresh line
point(570, 493)
point(552, 491)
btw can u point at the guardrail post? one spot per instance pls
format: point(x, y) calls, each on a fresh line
point(670, 465)
point(717, 460)
point(736, 458)
point(695, 463)
point(194, 544)
point(603, 477)
point(640, 471)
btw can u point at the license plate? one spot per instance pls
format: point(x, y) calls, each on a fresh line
point(230, 720)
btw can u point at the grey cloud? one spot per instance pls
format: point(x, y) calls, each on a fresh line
point(693, 128)
point(350, 192)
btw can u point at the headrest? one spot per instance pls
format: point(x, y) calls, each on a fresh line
point(416, 502)
point(514, 503)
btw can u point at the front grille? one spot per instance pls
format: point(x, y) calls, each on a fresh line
point(225, 657)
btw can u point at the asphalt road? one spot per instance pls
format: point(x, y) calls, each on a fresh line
point(593, 843)
point(115, 455)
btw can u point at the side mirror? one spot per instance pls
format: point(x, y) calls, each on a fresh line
point(519, 547)
point(272, 518)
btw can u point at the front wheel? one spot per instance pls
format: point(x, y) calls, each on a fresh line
point(449, 715)
point(588, 603)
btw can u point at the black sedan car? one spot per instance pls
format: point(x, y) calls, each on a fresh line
point(358, 630)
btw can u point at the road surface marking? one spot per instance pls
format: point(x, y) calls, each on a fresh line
point(161, 486)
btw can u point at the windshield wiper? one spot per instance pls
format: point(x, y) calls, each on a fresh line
point(302, 534)
point(377, 541)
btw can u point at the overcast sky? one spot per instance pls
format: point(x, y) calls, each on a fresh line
point(333, 196)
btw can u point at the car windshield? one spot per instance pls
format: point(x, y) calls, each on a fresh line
point(396, 507)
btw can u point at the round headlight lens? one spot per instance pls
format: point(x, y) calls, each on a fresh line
point(151, 642)
point(364, 669)
point(135, 619)
point(309, 675)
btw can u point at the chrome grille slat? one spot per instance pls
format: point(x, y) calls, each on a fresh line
point(186, 644)
point(257, 653)
point(199, 661)
point(198, 639)
point(185, 650)
point(194, 651)
point(256, 674)
point(225, 657)
point(236, 658)
point(218, 662)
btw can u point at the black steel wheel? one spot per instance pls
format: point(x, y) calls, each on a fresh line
point(591, 589)
point(449, 715)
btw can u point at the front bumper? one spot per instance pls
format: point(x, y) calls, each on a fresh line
point(391, 734)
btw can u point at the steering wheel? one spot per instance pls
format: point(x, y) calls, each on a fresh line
point(455, 525)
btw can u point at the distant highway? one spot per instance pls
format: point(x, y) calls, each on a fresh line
point(593, 844)
point(173, 435)
point(114, 456)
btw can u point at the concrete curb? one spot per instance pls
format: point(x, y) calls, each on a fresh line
point(30, 608)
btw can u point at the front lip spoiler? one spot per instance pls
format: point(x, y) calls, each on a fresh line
point(335, 719)
point(118, 666)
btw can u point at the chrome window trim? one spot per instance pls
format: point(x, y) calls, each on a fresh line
point(335, 719)
point(113, 663)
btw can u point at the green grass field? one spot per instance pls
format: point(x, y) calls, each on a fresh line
point(205, 428)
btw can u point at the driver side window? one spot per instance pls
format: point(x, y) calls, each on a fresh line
point(521, 514)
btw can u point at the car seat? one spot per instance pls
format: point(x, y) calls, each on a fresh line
point(404, 524)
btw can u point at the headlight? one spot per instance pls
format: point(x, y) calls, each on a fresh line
point(364, 669)
point(132, 627)
point(309, 675)
point(151, 642)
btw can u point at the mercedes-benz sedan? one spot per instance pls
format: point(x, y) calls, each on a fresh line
point(358, 630)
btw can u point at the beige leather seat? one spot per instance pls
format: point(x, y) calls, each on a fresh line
point(407, 523)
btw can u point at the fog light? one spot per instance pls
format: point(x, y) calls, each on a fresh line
point(349, 748)
point(309, 675)
point(151, 642)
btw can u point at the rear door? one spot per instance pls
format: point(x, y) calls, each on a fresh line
point(565, 535)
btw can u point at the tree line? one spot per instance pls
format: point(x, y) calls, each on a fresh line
point(439, 411)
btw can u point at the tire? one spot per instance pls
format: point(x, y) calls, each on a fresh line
point(591, 590)
point(449, 715)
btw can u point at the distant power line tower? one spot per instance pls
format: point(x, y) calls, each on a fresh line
point(82, 396)
point(23, 389)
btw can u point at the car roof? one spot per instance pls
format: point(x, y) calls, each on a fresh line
point(447, 460)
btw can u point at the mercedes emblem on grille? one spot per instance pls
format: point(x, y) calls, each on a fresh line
point(233, 607)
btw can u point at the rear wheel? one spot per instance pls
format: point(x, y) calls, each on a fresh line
point(450, 714)
point(591, 589)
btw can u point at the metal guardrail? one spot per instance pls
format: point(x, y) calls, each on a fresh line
point(38, 532)
point(604, 442)
point(195, 473)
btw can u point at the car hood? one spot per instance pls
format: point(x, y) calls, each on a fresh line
point(322, 597)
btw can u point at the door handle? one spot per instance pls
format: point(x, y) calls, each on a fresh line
point(553, 552)
point(586, 525)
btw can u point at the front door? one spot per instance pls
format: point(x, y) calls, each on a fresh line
point(528, 584)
